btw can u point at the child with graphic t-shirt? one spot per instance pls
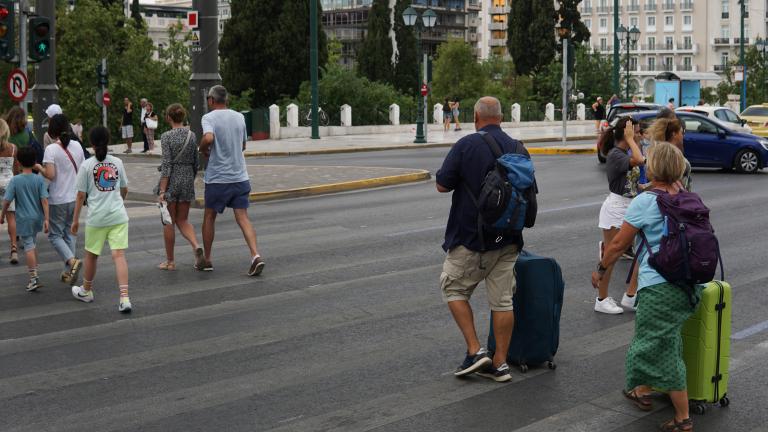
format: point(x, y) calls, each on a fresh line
point(30, 193)
point(102, 179)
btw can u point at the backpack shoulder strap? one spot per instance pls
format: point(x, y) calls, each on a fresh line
point(495, 148)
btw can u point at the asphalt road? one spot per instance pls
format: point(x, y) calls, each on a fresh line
point(346, 330)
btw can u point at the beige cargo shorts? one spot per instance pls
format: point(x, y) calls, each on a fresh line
point(462, 272)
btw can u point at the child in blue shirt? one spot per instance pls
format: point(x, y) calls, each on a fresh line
point(31, 195)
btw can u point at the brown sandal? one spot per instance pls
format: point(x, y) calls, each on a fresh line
point(169, 266)
point(675, 426)
point(643, 403)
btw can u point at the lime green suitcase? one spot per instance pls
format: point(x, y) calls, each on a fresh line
point(706, 347)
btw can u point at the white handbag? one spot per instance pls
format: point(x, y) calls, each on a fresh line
point(165, 216)
point(151, 124)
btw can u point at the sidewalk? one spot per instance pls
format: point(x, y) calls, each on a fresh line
point(270, 182)
point(533, 136)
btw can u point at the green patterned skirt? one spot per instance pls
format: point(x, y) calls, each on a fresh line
point(655, 357)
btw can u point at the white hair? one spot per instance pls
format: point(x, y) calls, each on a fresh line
point(488, 108)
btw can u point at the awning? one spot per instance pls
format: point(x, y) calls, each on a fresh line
point(688, 76)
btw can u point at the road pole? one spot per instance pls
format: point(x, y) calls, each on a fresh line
point(741, 60)
point(628, 54)
point(565, 90)
point(313, 60)
point(420, 137)
point(45, 91)
point(103, 90)
point(616, 44)
point(205, 63)
point(426, 112)
point(23, 48)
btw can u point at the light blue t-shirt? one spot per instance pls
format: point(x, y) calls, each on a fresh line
point(102, 182)
point(227, 163)
point(27, 190)
point(643, 213)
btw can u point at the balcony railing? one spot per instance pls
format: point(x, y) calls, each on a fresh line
point(603, 9)
point(586, 9)
point(722, 41)
point(607, 48)
point(633, 8)
point(648, 68)
point(666, 67)
point(686, 68)
point(686, 5)
point(650, 7)
point(737, 41)
point(668, 6)
point(721, 68)
point(686, 47)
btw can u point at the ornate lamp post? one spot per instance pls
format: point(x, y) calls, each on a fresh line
point(629, 39)
point(428, 20)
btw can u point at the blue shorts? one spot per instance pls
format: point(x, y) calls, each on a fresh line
point(28, 243)
point(219, 196)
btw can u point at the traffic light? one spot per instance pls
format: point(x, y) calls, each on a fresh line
point(103, 77)
point(571, 57)
point(39, 39)
point(7, 32)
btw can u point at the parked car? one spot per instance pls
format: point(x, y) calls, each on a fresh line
point(757, 118)
point(713, 144)
point(623, 108)
point(724, 114)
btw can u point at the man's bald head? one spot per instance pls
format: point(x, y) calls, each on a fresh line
point(487, 111)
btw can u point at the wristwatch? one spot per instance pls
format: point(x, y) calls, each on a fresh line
point(600, 268)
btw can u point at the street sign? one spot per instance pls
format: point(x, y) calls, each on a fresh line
point(195, 38)
point(424, 90)
point(566, 84)
point(17, 85)
point(99, 98)
point(192, 21)
point(107, 98)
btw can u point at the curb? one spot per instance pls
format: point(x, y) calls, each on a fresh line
point(561, 150)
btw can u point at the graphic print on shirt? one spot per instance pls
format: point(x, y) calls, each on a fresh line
point(105, 176)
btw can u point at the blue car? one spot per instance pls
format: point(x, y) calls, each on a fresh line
point(711, 144)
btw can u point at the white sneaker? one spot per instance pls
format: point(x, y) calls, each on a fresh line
point(629, 302)
point(81, 294)
point(608, 306)
point(125, 305)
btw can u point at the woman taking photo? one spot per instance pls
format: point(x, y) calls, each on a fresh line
point(61, 163)
point(654, 359)
point(623, 157)
point(177, 184)
point(9, 167)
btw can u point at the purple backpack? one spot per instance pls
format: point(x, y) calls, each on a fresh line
point(689, 251)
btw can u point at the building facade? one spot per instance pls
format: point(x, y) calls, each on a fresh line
point(675, 35)
point(347, 22)
point(161, 13)
point(494, 21)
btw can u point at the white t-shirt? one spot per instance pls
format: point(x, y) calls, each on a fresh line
point(102, 182)
point(62, 189)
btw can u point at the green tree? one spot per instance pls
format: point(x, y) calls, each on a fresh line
point(374, 58)
point(138, 21)
point(531, 35)
point(265, 47)
point(572, 20)
point(456, 72)
point(591, 70)
point(757, 74)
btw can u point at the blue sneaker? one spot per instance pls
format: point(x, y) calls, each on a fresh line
point(500, 374)
point(473, 363)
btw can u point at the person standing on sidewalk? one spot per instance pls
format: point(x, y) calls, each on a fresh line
point(467, 262)
point(456, 111)
point(227, 183)
point(126, 125)
point(447, 116)
point(177, 184)
point(61, 163)
point(150, 124)
point(598, 109)
point(102, 179)
point(143, 125)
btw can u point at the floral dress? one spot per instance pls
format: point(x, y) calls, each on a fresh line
point(179, 168)
point(6, 174)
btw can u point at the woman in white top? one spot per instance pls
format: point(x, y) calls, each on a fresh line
point(61, 163)
point(150, 119)
point(9, 166)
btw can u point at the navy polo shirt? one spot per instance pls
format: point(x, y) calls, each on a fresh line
point(468, 162)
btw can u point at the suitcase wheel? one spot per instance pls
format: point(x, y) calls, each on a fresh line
point(724, 402)
point(524, 368)
point(699, 409)
point(551, 365)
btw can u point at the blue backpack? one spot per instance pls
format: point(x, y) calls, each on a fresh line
point(503, 204)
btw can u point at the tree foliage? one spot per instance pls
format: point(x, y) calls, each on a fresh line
point(264, 47)
point(457, 74)
point(531, 35)
point(374, 58)
point(591, 70)
point(757, 75)
point(572, 20)
point(133, 72)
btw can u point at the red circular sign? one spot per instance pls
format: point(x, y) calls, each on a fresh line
point(17, 85)
point(424, 90)
point(107, 99)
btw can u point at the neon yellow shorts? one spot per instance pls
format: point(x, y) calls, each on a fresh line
point(116, 235)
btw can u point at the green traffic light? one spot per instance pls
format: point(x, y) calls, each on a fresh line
point(42, 48)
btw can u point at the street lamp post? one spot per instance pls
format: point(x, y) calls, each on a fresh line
point(564, 32)
point(428, 20)
point(762, 44)
point(628, 38)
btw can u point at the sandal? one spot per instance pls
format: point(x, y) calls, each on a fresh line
point(643, 403)
point(14, 255)
point(675, 426)
point(170, 266)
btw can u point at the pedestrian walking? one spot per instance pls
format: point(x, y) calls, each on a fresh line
point(456, 111)
point(126, 124)
point(671, 103)
point(61, 164)
point(21, 136)
point(670, 129)
point(474, 254)
point(177, 184)
point(30, 195)
point(227, 183)
point(149, 119)
point(623, 161)
point(52, 110)
point(9, 166)
point(598, 109)
point(447, 115)
point(654, 358)
point(103, 181)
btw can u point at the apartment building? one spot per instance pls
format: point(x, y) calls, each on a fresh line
point(225, 12)
point(685, 36)
point(347, 22)
point(494, 26)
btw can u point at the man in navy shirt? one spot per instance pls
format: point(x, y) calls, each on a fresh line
point(468, 262)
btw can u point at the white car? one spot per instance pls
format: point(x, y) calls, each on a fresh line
point(726, 116)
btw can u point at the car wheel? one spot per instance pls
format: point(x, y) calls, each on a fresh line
point(747, 162)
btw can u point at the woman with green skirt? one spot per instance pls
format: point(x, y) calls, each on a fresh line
point(654, 359)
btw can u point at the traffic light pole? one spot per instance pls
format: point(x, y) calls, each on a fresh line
point(205, 63)
point(45, 91)
point(103, 89)
point(616, 45)
point(23, 52)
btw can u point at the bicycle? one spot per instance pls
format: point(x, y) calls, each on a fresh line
point(322, 117)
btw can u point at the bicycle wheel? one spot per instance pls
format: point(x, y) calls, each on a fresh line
point(323, 118)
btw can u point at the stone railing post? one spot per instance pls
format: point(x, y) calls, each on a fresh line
point(293, 116)
point(394, 114)
point(346, 115)
point(515, 113)
point(549, 112)
point(437, 113)
point(274, 121)
point(581, 112)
